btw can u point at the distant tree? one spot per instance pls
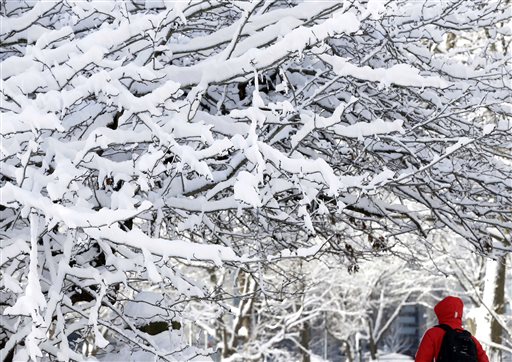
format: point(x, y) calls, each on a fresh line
point(299, 298)
point(145, 145)
point(484, 281)
point(395, 341)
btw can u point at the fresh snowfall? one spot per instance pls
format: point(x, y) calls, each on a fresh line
point(264, 180)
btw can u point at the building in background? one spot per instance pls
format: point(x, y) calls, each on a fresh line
point(407, 331)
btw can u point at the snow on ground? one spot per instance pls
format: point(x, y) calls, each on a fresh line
point(395, 357)
point(388, 357)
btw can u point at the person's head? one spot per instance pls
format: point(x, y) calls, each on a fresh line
point(449, 311)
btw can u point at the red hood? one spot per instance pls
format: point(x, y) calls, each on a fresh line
point(449, 311)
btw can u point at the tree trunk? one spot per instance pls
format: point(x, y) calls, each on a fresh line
point(305, 337)
point(488, 328)
point(373, 345)
point(499, 300)
point(348, 351)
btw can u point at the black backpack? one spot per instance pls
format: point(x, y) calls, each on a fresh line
point(457, 346)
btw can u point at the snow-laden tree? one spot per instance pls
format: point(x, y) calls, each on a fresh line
point(143, 139)
point(301, 299)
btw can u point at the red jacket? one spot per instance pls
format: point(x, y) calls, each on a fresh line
point(448, 311)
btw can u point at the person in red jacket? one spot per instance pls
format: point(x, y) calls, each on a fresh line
point(449, 312)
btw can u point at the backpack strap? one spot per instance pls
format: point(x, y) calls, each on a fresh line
point(444, 327)
point(447, 328)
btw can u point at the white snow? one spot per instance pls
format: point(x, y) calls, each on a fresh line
point(399, 74)
point(222, 162)
point(246, 189)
